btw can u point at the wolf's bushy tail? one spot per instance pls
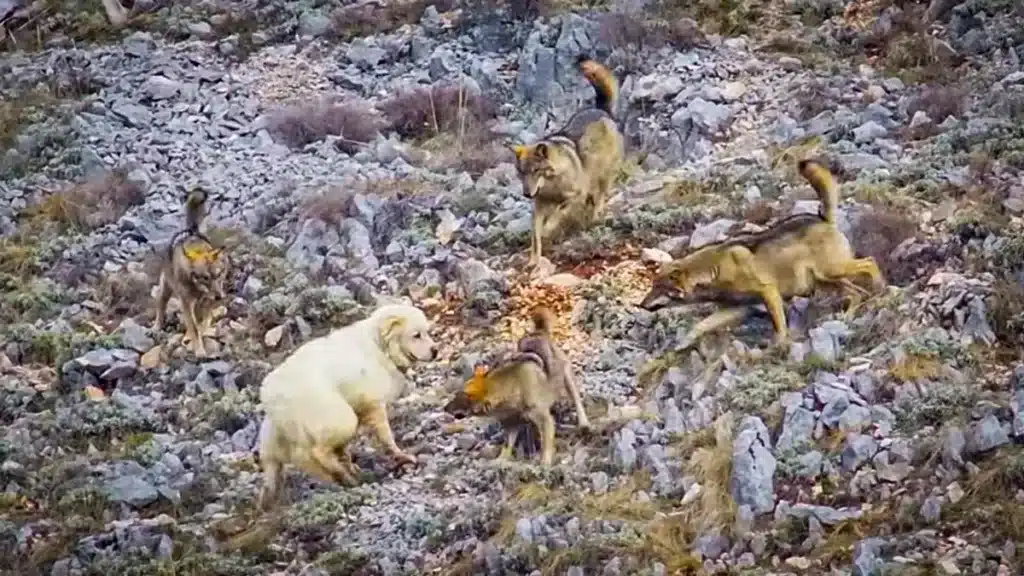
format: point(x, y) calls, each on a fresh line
point(821, 179)
point(195, 209)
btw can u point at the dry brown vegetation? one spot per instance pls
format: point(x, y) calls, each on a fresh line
point(877, 233)
point(665, 530)
point(426, 112)
point(95, 202)
point(364, 19)
point(449, 121)
point(334, 203)
point(636, 34)
point(355, 122)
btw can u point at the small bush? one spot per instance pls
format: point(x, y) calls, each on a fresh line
point(629, 31)
point(427, 112)
point(365, 19)
point(1006, 311)
point(939, 102)
point(877, 234)
point(96, 202)
point(300, 124)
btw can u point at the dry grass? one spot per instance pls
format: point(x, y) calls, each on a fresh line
point(96, 202)
point(18, 258)
point(712, 466)
point(989, 503)
point(334, 203)
point(365, 19)
point(635, 34)
point(939, 102)
point(915, 368)
point(877, 234)
point(449, 121)
point(1006, 311)
point(427, 112)
point(725, 17)
point(906, 49)
point(355, 122)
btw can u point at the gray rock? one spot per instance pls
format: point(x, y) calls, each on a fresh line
point(1017, 402)
point(709, 116)
point(625, 455)
point(868, 132)
point(365, 54)
point(132, 490)
point(313, 23)
point(161, 88)
point(953, 445)
point(931, 510)
point(824, 514)
point(710, 546)
point(797, 428)
point(201, 30)
point(709, 233)
point(135, 336)
point(858, 449)
point(985, 434)
point(826, 340)
point(524, 530)
point(866, 557)
point(535, 80)
point(752, 479)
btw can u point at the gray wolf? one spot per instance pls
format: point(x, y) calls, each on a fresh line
point(789, 259)
point(569, 174)
point(194, 271)
point(523, 389)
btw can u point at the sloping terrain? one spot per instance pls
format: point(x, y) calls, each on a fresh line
point(358, 150)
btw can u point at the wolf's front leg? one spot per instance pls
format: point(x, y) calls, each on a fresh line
point(535, 236)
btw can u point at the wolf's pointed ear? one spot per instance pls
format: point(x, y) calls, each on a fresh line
point(541, 150)
point(389, 326)
point(520, 151)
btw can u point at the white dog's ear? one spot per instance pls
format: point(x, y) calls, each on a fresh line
point(389, 326)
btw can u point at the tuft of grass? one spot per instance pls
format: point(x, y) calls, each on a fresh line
point(90, 204)
point(366, 19)
point(915, 367)
point(724, 17)
point(877, 234)
point(939, 102)
point(1006, 311)
point(355, 122)
point(988, 501)
point(426, 112)
point(634, 34)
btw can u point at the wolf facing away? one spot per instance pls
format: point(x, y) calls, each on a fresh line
point(569, 174)
point(194, 271)
point(789, 259)
point(555, 364)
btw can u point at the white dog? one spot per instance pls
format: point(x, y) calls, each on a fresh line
point(317, 398)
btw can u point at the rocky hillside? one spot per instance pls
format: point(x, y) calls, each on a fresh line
point(358, 150)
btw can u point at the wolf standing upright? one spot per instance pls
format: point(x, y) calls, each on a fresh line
point(195, 272)
point(569, 174)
